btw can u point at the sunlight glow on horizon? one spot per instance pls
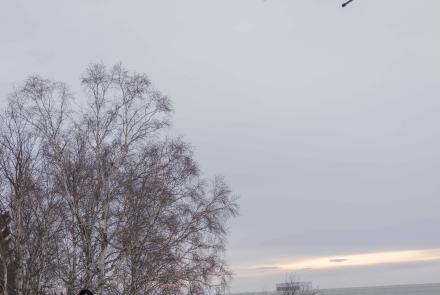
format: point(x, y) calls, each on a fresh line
point(362, 259)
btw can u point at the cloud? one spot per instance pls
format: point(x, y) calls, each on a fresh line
point(360, 259)
point(338, 260)
point(267, 268)
point(363, 259)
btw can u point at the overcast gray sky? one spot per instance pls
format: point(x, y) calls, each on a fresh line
point(324, 120)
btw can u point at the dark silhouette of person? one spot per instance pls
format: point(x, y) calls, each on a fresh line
point(85, 292)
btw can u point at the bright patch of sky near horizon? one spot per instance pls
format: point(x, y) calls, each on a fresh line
point(363, 259)
point(324, 120)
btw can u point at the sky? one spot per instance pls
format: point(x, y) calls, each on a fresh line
point(323, 120)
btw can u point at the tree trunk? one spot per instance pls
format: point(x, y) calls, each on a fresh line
point(5, 277)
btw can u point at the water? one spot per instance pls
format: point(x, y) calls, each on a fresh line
point(423, 289)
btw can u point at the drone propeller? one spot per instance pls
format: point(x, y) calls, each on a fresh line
point(345, 4)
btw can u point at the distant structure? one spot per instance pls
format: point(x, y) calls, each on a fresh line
point(294, 286)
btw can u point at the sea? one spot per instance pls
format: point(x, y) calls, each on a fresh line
point(421, 289)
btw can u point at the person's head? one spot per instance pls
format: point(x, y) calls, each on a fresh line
point(85, 292)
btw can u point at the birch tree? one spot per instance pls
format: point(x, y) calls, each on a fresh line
point(122, 207)
point(27, 196)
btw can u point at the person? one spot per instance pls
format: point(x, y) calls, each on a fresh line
point(85, 292)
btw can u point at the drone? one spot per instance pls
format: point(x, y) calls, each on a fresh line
point(346, 3)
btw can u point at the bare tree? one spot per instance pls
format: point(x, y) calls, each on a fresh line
point(120, 207)
point(27, 195)
point(292, 286)
point(5, 254)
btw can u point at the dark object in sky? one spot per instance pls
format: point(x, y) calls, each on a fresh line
point(85, 292)
point(345, 4)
